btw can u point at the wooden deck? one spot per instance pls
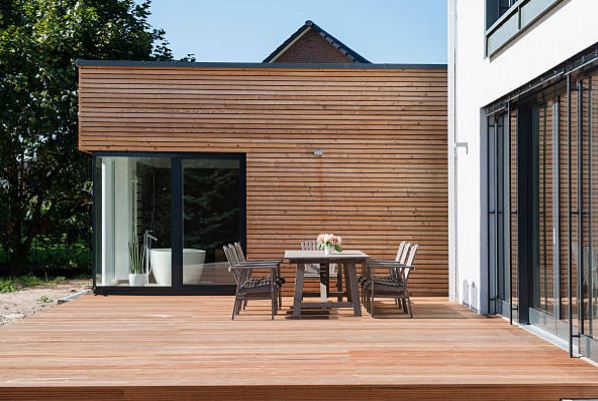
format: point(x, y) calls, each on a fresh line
point(187, 348)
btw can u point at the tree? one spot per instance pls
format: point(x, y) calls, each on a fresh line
point(44, 180)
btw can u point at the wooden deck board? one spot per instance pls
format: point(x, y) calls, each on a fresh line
point(129, 348)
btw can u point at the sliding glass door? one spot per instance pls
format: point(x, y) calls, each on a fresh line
point(160, 221)
point(499, 213)
point(587, 232)
point(543, 212)
point(211, 217)
point(549, 233)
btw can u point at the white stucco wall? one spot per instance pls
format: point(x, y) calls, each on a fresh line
point(475, 81)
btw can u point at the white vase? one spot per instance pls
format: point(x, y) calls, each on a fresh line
point(137, 279)
point(327, 250)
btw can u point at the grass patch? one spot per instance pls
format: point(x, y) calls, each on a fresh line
point(44, 299)
point(12, 284)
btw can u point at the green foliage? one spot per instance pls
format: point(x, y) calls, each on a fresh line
point(45, 187)
point(136, 255)
point(12, 284)
point(44, 299)
point(48, 258)
point(7, 285)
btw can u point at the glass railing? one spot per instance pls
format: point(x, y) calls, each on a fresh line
point(519, 17)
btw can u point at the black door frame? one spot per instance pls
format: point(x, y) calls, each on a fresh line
point(177, 287)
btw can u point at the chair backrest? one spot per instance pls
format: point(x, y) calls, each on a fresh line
point(312, 270)
point(405, 253)
point(309, 245)
point(240, 275)
point(400, 251)
point(240, 253)
point(410, 263)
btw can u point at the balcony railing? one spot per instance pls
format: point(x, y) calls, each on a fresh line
point(519, 17)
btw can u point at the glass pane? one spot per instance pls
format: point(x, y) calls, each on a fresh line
point(592, 275)
point(514, 226)
point(492, 193)
point(503, 33)
point(575, 238)
point(533, 9)
point(132, 206)
point(498, 210)
point(211, 218)
point(544, 266)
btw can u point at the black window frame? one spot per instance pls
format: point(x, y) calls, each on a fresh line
point(177, 287)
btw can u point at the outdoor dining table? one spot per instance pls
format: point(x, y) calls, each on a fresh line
point(348, 259)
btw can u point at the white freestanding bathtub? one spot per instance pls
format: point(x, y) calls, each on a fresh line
point(161, 262)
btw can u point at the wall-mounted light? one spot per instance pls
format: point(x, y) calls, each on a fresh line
point(319, 152)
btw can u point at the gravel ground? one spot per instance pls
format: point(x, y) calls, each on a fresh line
point(28, 301)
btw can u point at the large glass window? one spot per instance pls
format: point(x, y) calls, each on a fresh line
point(133, 197)
point(161, 221)
point(211, 210)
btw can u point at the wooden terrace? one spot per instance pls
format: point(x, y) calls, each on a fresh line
point(187, 348)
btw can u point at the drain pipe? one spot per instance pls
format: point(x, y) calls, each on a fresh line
point(453, 175)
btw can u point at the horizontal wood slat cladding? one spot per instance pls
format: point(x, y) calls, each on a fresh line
point(383, 175)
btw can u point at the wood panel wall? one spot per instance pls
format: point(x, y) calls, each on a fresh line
point(383, 175)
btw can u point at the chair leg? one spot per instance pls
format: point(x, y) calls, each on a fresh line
point(372, 306)
point(234, 308)
point(410, 308)
point(244, 304)
point(239, 305)
point(274, 303)
point(403, 305)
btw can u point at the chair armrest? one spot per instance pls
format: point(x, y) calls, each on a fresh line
point(244, 266)
point(259, 263)
point(264, 261)
point(385, 263)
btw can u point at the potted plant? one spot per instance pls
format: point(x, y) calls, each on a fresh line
point(137, 277)
point(329, 242)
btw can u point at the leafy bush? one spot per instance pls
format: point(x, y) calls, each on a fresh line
point(54, 260)
point(12, 284)
point(7, 285)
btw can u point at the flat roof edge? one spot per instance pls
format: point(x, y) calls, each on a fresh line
point(187, 64)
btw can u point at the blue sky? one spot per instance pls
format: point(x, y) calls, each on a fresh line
point(383, 31)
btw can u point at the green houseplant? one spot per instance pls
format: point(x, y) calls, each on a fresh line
point(137, 275)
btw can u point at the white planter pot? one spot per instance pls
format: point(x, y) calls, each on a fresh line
point(137, 279)
point(327, 250)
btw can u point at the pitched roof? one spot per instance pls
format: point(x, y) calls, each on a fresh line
point(310, 25)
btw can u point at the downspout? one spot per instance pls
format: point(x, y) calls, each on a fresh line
point(453, 144)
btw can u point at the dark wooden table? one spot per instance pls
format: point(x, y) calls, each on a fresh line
point(348, 260)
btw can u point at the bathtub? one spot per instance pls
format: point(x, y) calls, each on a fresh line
point(161, 262)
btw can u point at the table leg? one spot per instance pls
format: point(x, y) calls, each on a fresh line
point(298, 290)
point(347, 282)
point(354, 290)
point(324, 282)
point(339, 282)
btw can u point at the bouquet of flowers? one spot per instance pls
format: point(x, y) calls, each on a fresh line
point(327, 242)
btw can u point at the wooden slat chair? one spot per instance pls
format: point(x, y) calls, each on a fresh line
point(242, 259)
point(393, 286)
point(249, 287)
point(314, 271)
point(401, 257)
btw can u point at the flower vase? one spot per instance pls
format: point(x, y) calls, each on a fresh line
point(327, 250)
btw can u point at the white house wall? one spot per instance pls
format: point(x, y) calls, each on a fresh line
point(474, 82)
